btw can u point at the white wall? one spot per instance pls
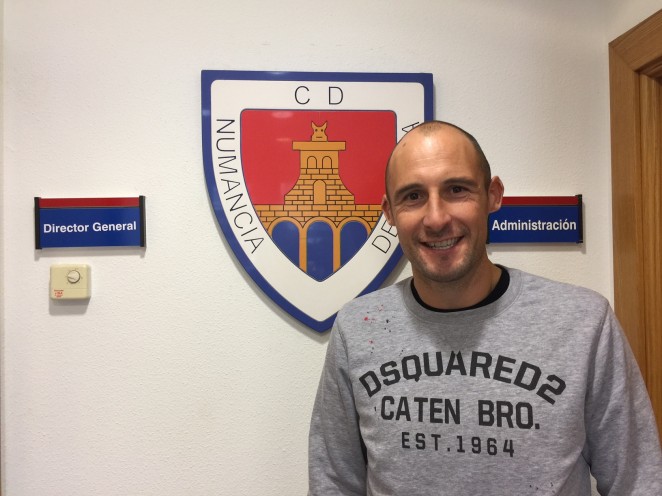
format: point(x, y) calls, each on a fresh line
point(624, 15)
point(179, 376)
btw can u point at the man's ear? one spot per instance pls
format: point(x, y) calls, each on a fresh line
point(495, 194)
point(386, 208)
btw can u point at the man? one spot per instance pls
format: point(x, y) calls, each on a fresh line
point(471, 378)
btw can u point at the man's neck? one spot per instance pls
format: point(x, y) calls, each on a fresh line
point(459, 294)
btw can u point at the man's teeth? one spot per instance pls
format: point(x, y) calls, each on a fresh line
point(442, 245)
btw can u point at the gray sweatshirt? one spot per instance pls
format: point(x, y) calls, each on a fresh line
point(524, 396)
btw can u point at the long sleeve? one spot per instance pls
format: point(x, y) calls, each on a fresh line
point(623, 447)
point(336, 464)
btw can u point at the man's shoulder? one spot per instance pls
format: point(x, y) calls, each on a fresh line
point(553, 290)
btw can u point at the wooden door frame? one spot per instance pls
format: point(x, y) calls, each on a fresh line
point(635, 76)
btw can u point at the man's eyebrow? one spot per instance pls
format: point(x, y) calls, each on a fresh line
point(462, 181)
point(451, 181)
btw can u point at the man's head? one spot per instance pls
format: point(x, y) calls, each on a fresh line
point(430, 127)
point(439, 193)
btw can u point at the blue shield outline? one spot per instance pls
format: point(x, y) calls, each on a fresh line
point(208, 77)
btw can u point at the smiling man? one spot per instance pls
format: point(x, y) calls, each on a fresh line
point(439, 194)
point(472, 378)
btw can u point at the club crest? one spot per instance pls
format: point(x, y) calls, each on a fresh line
point(294, 165)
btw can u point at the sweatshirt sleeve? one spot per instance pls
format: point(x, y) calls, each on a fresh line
point(623, 447)
point(336, 465)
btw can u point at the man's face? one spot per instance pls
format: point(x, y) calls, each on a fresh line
point(438, 201)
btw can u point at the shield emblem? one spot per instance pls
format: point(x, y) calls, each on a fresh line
point(294, 165)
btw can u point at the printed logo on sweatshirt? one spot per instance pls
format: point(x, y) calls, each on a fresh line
point(294, 165)
point(486, 413)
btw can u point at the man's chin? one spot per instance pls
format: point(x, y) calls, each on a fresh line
point(444, 275)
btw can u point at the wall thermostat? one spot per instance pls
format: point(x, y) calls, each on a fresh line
point(70, 282)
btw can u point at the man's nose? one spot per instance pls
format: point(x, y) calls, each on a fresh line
point(436, 214)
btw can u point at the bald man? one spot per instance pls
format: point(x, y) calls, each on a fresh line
point(470, 378)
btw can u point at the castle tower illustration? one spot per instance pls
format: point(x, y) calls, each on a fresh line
point(319, 202)
point(319, 183)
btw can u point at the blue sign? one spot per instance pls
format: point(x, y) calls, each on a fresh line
point(81, 222)
point(543, 219)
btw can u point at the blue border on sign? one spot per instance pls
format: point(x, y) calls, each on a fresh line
point(80, 215)
point(207, 78)
point(543, 219)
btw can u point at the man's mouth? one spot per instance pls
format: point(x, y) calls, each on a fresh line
point(443, 245)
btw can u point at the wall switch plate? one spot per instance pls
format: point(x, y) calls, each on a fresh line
point(70, 282)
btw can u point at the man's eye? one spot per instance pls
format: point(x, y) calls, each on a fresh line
point(413, 196)
point(457, 189)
